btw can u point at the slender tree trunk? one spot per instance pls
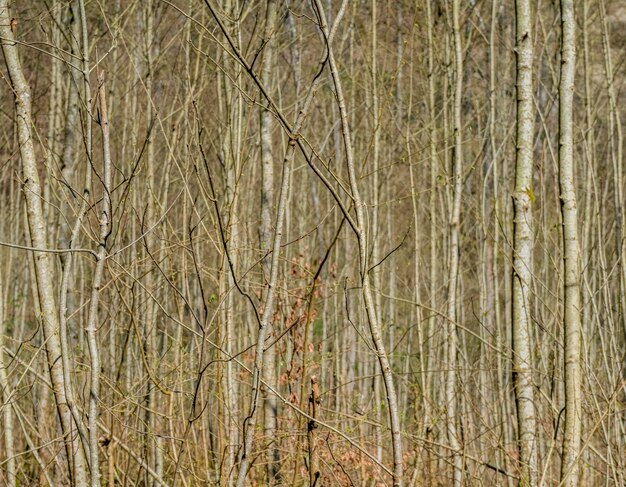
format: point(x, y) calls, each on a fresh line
point(265, 232)
point(268, 310)
point(571, 254)
point(375, 212)
point(69, 239)
point(230, 108)
point(364, 264)
point(430, 394)
point(7, 397)
point(588, 256)
point(523, 198)
point(314, 401)
point(499, 338)
point(616, 144)
point(92, 322)
point(454, 254)
point(44, 271)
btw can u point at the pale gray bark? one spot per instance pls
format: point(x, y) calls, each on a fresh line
point(79, 30)
point(587, 252)
point(92, 321)
point(230, 106)
point(454, 251)
point(265, 234)
point(7, 398)
point(429, 394)
point(523, 198)
point(146, 16)
point(571, 254)
point(374, 227)
point(68, 163)
point(44, 272)
point(267, 160)
point(498, 325)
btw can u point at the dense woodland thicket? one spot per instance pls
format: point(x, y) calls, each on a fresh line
point(325, 242)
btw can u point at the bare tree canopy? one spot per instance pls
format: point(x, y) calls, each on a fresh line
point(328, 242)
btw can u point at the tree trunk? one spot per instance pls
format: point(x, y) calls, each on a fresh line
point(523, 198)
point(44, 271)
point(453, 259)
point(364, 264)
point(571, 254)
point(265, 232)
